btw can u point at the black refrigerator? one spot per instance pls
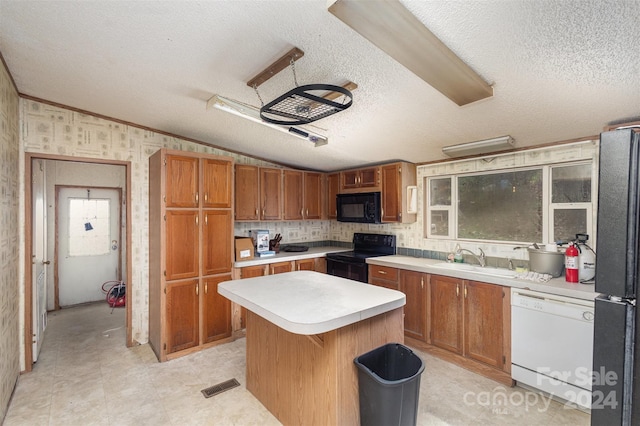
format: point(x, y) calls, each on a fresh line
point(616, 352)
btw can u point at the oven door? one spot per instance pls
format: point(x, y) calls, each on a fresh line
point(345, 269)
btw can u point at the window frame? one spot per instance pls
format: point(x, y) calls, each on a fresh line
point(548, 208)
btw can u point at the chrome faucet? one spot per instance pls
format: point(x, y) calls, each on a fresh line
point(480, 258)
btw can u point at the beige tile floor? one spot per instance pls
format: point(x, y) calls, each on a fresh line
point(86, 376)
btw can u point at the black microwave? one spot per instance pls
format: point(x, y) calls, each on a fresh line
point(360, 208)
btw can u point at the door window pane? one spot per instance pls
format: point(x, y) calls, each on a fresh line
point(569, 222)
point(440, 192)
point(89, 224)
point(439, 223)
point(501, 206)
point(571, 184)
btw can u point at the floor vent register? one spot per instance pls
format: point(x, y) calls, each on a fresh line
point(219, 388)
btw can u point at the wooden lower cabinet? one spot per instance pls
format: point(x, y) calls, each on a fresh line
point(415, 285)
point(446, 313)
point(280, 267)
point(483, 328)
point(216, 310)
point(462, 321)
point(182, 310)
point(305, 265)
point(471, 319)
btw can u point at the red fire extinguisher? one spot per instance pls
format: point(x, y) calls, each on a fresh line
point(571, 264)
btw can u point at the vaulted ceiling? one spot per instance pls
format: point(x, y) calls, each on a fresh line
point(560, 70)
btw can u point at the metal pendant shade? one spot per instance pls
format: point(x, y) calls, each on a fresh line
point(300, 106)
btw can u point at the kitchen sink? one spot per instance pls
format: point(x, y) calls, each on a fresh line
point(476, 269)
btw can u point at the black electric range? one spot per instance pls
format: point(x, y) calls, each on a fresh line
point(352, 264)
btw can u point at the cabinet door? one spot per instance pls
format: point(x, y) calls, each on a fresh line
point(270, 194)
point(350, 179)
point(483, 323)
point(391, 196)
point(369, 177)
point(182, 250)
point(313, 196)
point(333, 188)
point(249, 272)
point(216, 315)
point(247, 192)
point(414, 285)
point(217, 254)
point(182, 181)
point(216, 183)
point(182, 315)
point(279, 268)
point(293, 195)
point(446, 313)
point(306, 265)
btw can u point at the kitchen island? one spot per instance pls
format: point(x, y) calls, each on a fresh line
point(304, 330)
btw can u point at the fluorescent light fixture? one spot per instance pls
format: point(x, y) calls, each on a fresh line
point(390, 26)
point(479, 147)
point(252, 113)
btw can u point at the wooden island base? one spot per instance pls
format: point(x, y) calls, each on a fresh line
point(312, 380)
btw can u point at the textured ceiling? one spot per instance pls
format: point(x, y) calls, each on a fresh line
point(560, 69)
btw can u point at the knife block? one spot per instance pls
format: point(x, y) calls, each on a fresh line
point(274, 245)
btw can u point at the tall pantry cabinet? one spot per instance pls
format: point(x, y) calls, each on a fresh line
point(190, 250)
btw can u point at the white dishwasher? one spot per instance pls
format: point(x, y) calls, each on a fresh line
point(552, 344)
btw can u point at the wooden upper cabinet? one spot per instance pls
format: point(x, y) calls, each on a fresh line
point(247, 192)
point(483, 311)
point(182, 248)
point(446, 313)
point(270, 194)
point(216, 310)
point(182, 181)
point(391, 193)
point(333, 188)
point(182, 313)
point(396, 178)
point(216, 185)
point(217, 252)
point(313, 195)
point(293, 195)
point(361, 178)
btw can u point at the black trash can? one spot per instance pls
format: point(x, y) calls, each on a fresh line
point(389, 385)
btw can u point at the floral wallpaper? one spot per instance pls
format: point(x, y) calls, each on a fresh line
point(9, 253)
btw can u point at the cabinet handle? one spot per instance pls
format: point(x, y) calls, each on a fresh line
point(382, 272)
point(257, 213)
point(307, 212)
point(422, 282)
point(465, 291)
point(197, 197)
point(263, 213)
point(457, 290)
point(302, 212)
point(197, 289)
point(197, 220)
point(206, 220)
point(206, 197)
point(206, 288)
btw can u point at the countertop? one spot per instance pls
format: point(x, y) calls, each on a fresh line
point(289, 256)
point(556, 286)
point(306, 302)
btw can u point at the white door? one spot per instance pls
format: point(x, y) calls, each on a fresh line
point(88, 243)
point(39, 259)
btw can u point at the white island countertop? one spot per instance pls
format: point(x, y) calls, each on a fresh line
point(306, 302)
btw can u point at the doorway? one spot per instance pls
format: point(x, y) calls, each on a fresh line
point(46, 175)
point(87, 243)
